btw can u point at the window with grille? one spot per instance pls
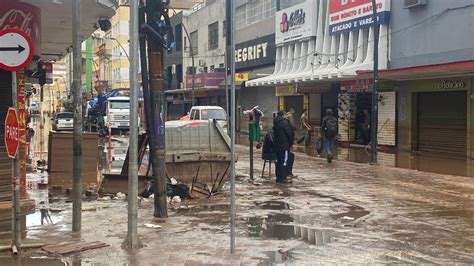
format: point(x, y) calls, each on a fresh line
point(213, 37)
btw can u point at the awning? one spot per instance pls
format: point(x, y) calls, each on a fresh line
point(56, 25)
point(327, 56)
point(422, 72)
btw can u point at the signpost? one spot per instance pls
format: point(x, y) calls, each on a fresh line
point(16, 49)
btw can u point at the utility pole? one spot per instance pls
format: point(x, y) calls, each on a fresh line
point(155, 9)
point(375, 112)
point(132, 241)
point(231, 34)
point(77, 106)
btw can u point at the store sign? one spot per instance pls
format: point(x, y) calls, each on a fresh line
point(24, 17)
point(350, 15)
point(21, 99)
point(205, 80)
point(357, 85)
point(242, 76)
point(451, 85)
point(297, 22)
point(255, 53)
point(287, 90)
point(48, 68)
point(313, 88)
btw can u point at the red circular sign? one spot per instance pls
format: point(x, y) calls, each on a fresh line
point(12, 133)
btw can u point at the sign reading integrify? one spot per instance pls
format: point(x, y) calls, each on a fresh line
point(350, 15)
point(12, 134)
point(255, 53)
point(297, 22)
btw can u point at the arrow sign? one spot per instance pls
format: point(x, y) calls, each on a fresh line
point(16, 49)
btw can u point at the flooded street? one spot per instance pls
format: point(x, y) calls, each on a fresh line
point(339, 213)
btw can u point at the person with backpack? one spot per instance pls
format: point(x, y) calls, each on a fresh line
point(329, 129)
point(284, 138)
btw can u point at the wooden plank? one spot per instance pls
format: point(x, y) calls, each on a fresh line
point(73, 247)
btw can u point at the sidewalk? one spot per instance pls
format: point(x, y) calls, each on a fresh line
point(347, 213)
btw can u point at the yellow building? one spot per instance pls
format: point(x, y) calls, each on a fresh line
point(117, 44)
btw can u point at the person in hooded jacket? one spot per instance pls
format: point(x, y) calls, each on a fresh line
point(284, 139)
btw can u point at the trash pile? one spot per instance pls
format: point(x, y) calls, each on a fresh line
point(173, 189)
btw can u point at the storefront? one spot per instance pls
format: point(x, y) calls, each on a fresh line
point(439, 116)
point(355, 105)
point(255, 58)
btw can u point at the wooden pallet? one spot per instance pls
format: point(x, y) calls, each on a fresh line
point(73, 247)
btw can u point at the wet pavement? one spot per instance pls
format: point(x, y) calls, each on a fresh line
point(331, 214)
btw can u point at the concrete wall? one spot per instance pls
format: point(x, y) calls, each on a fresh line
point(440, 32)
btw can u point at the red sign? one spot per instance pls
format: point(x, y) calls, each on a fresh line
point(20, 81)
point(12, 134)
point(357, 85)
point(22, 16)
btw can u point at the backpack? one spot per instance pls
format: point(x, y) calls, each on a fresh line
point(331, 127)
point(268, 148)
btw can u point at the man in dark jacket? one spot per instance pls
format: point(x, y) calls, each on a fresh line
point(329, 129)
point(284, 139)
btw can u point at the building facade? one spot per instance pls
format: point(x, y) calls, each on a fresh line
point(205, 47)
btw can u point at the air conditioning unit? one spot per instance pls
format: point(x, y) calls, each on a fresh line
point(413, 3)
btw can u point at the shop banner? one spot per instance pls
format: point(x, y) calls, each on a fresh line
point(205, 80)
point(22, 16)
point(21, 110)
point(350, 15)
point(297, 22)
point(286, 90)
point(357, 85)
point(255, 53)
point(313, 88)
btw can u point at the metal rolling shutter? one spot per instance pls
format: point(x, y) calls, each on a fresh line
point(442, 123)
point(386, 119)
point(5, 162)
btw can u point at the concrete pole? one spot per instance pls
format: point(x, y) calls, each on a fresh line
point(375, 108)
point(231, 22)
point(132, 240)
point(77, 106)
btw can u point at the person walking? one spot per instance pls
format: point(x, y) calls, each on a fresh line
point(306, 127)
point(329, 129)
point(284, 139)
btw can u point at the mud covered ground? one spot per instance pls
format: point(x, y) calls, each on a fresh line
point(331, 214)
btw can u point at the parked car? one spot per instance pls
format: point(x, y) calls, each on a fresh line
point(63, 121)
point(205, 113)
point(34, 108)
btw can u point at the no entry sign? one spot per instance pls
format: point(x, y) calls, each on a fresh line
point(16, 49)
point(12, 133)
